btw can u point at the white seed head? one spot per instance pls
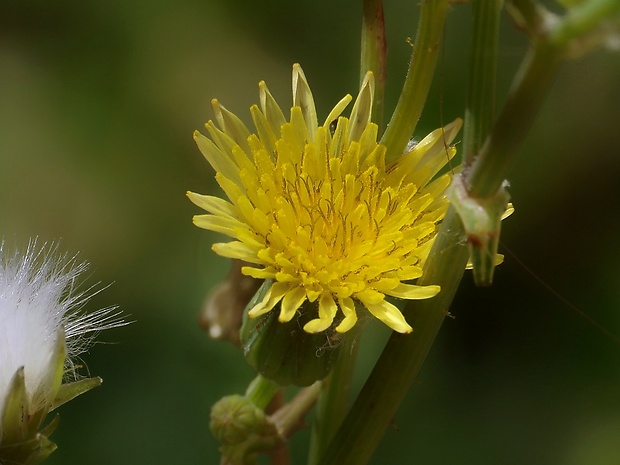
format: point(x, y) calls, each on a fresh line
point(40, 301)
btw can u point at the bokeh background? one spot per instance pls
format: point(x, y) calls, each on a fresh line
point(98, 101)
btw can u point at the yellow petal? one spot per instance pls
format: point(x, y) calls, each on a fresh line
point(221, 224)
point(212, 204)
point(499, 259)
point(237, 250)
point(369, 295)
point(510, 209)
point(390, 315)
point(339, 139)
point(371, 154)
point(291, 302)
point(360, 115)
point(337, 110)
point(413, 292)
point(220, 161)
point(430, 154)
point(271, 109)
point(258, 273)
point(300, 133)
point(327, 312)
point(302, 97)
point(231, 125)
point(266, 133)
point(272, 297)
point(347, 305)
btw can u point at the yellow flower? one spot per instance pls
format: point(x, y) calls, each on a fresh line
point(317, 210)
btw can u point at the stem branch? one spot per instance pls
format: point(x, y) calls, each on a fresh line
point(419, 78)
point(374, 54)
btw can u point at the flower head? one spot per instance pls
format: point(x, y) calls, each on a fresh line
point(314, 207)
point(42, 330)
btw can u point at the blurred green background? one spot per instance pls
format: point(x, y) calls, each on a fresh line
point(98, 101)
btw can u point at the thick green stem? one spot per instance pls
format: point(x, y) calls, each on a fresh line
point(333, 402)
point(480, 104)
point(479, 116)
point(403, 355)
point(419, 78)
point(374, 54)
point(502, 145)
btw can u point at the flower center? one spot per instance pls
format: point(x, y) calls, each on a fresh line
point(338, 228)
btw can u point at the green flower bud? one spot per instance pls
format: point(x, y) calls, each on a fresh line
point(284, 352)
point(242, 429)
point(235, 419)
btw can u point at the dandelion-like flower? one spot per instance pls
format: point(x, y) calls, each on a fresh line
point(316, 209)
point(43, 328)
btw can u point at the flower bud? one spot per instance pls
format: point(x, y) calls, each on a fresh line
point(284, 352)
point(235, 419)
point(242, 429)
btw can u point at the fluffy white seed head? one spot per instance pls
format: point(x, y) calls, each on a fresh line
point(40, 301)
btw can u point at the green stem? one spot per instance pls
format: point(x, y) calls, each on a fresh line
point(333, 402)
point(528, 15)
point(261, 391)
point(374, 53)
point(581, 19)
point(403, 355)
point(290, 418)
point(280, 455)
point(419, 78)
point(480, 104)
point(524, 100)
point(479, 116)
point(526, 95)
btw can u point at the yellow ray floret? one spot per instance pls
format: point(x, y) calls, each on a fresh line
point(315, 209)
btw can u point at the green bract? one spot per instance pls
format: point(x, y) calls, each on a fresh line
point(284, 352)
point(21, 439)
